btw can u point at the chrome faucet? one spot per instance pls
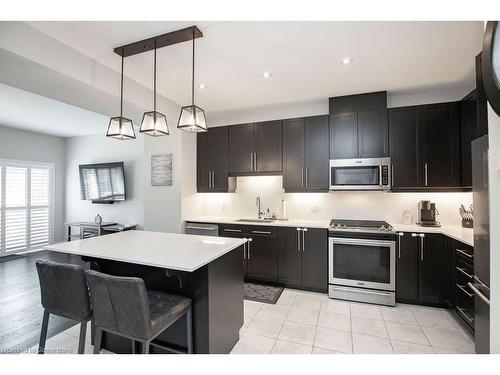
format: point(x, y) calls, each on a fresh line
point(259, 212)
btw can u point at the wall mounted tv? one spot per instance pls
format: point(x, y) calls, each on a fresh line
point(102, 183)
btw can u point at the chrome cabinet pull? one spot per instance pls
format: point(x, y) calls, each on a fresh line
point(232, 230)
point(400, 234)
point(302, 177)
point(422, 247)
point(478, 293)
point(251, 161)
point(414, 235)
point(465, 273)
point(298, 238)
point(199, 228)
point(213, 179)
point(249, 248)
point(425, 174)
point(307, 178)
point(245, 250)
point(462, 288)
point(464, 253)
point(261, 232)
point(303, 239)
point(255, 161)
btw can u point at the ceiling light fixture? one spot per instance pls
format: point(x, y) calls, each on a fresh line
point(346, 60)
point(192, 118)
point(154, 123)
point(121, 127)
point(266, 74)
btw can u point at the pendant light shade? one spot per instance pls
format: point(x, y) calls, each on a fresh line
point(121, 127)
point(192, 118)
point(154, 123)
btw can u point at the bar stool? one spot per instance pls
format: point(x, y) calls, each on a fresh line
point(124, 307)
point(64, 292)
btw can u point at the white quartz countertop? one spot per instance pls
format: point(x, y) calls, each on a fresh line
point(464, 235)
point(323, 224)
point(180, 252)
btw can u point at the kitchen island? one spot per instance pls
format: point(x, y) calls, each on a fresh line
point(206, 269)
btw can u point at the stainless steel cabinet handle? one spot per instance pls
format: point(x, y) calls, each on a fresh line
point(462, 312)
point(199, 228)
point(421, 247)
point(414, 235)
point(232, 230)
point(261, 232)
point(213, 179)
point(400, 234)
point(303, 239)
point(462, 288)
point(425, 174)
point(245, 250)
point(307, 178)
point(251, 161)
point(464, 253)
point(302, 177)
point(255, 161)
point(465, 273)
point(249, 247)
point(298, 238)
point(478, 293)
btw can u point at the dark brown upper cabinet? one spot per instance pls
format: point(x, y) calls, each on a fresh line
point(468, 130)
point(256, 149)
point(359, 126)
point(425, 147)
point(212, 161)
point(305, 154)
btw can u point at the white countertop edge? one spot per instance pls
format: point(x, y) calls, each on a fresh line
point(464, 235)
point(238, 243)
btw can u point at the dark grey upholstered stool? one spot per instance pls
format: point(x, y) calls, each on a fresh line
point(124, 307)
point(64, 292)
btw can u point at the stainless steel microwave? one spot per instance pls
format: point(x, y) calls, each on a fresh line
point(360, 174)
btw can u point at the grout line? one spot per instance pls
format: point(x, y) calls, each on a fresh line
point(284, 320)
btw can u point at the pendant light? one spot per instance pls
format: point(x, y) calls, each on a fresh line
point(121, 127)
point(154, 123)
point(192, 118)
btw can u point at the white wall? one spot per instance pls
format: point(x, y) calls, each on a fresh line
point(24, 145)
point(325, 206)
point(100, 149)
point(494, 179)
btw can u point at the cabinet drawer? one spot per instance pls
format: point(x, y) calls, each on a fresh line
point(263, 231)
point(228, 230)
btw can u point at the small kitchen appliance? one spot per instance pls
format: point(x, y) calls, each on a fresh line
point(427, 214)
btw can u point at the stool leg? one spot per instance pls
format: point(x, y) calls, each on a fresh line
point(145, 347)
point(83, 334)
point(43, 333)
point(97, 340)
point(189, 329)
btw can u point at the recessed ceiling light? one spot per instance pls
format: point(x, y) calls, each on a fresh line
point(266, 74)
point(202, 86)
point(346, 60)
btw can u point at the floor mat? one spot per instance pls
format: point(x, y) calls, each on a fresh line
point(262, 293)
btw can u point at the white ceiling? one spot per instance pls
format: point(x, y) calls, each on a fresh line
point(304, 58)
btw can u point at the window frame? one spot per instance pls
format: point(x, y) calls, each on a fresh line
point(3, 209)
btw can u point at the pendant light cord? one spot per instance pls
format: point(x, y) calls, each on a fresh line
point(154, 84)
point(121, 91)
point(192, 80)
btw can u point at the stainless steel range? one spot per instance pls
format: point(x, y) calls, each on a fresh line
point(362, 261)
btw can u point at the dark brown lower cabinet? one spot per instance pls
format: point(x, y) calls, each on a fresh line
point(420, 268)
point(303, 258)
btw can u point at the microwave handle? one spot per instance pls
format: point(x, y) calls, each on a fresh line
point(380, 175)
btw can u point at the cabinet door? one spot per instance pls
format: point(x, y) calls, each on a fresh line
point(317, 151)
point(468, 128)
point(406, 170)
point(290, 257)
point(315, 259)
point(407, 268)
point(373, 134)
point(236, 231)
point(293, 154)
point(440, 143)
point(203, 162)
point(344, 136)
point(219, 157)
point(269, 147)
point(241, 148)
point(430, 269)
point(262, 258)
point(448, 276)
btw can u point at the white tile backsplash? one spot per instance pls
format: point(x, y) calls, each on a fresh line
point(324, 206)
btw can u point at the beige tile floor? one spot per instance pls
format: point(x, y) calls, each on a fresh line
point(304, 323)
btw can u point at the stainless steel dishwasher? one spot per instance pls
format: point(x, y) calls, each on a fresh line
point(201, 229)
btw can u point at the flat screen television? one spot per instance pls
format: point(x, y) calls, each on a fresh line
point(102, 183)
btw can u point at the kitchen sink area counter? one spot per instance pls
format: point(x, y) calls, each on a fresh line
point(320, 224)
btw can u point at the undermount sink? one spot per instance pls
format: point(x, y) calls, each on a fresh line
point(257, 220)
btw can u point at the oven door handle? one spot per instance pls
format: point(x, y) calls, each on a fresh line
point(367, 291)
point(359, 241)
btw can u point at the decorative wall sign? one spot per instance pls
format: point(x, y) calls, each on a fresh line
point(161, 170)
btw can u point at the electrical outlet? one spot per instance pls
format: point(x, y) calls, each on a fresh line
point(315, 209)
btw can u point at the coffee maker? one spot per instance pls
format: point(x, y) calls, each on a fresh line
point(427, 214)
